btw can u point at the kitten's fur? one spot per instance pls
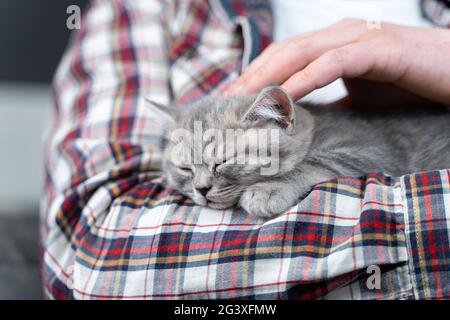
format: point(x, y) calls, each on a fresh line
point(317, 143)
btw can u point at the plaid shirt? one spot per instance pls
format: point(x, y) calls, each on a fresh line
point(112, 229)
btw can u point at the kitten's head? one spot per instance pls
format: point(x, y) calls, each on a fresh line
point(222, 145)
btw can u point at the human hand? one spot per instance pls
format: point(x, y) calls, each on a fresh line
point(408, 64)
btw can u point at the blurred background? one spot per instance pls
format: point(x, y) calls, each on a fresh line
point(33, 35)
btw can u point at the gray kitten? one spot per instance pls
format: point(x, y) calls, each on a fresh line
point(311, 144)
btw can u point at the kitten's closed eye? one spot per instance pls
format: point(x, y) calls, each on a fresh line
point(216, 167)
point(224, 167)
point(186, 171)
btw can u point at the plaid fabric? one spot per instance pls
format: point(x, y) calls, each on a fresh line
point(111, 229)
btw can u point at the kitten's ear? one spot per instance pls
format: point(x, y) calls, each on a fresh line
point(165, 111)
point(272, 104)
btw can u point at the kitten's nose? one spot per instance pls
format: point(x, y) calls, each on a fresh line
point(204, 191)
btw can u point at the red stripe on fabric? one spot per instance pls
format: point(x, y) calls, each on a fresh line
point(173, 224)
point(169, 224)
point(168, 295)
point(431, 249)
point(443, 251)
point(424, 181)
point(174, 248)
point(238, 7)
point(209, 258)
point(61, 269)
point(383, 204)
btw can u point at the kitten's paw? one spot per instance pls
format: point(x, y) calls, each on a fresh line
point(266, 203)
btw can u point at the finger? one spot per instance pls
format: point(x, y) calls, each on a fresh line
point(350, 61)
point(260, 61)
point(276, 46)
point(267, 55)
point(256, 63)
point(280, 63)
